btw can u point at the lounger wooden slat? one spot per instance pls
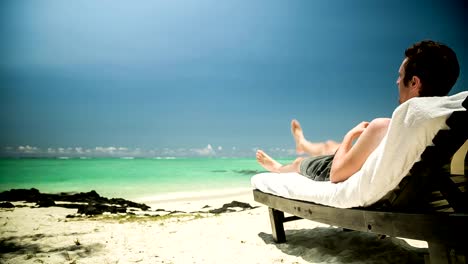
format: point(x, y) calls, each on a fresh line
point(432, 227)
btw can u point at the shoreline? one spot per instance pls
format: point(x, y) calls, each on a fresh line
point(187, 201)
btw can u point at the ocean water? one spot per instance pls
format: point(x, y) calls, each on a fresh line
point(127, 178)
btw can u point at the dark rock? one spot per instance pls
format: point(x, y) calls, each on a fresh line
point(239, 204)
point(96, 209)
point(7, 205)
point(221, 210)
point(69, 206)
point(247, 172)
point(92, 198)
point(82, 197)
point(126, 203)
point(226, 207)
point(117, 209)
point(176, 212)
point(206, 206)
point(90, 209)
point(219, 171)
point(16, 195)
point(45, 202)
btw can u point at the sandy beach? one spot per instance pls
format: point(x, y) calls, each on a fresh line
point(46, 235)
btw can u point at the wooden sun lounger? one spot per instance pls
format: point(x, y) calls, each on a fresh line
point(431, 202)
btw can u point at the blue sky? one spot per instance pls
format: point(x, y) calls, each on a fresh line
point(207, 77)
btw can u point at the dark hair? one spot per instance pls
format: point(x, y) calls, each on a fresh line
point(435, 64)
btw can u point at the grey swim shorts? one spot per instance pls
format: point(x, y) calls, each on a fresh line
point(317, 168)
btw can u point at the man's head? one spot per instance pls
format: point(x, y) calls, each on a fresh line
point(429, 69)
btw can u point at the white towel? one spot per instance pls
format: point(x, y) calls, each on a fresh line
point(414, 124)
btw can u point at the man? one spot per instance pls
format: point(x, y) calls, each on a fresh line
point(429, 69)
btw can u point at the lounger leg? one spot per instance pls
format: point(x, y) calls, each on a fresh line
point(277, 228)
point(438, 253)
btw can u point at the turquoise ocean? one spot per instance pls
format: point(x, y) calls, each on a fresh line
point(127, 178)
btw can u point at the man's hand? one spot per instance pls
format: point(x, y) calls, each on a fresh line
point(357, 130)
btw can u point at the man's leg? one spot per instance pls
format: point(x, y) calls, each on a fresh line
point(331, 147)
point(272, 165)
point(311, 148)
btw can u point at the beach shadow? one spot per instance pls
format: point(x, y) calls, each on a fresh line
point(12, 246)
point(30, 245)
point(333, 245)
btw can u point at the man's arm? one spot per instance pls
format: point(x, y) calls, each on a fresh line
point(349, 158)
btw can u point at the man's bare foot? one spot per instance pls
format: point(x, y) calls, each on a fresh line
point(298, 135)
point(267, 162)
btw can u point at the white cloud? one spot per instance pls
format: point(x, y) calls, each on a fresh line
point(207, 151)
point(115, 151)
point(28, 149)
point(79, 150)
point(220, 148)
point(108, 150)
